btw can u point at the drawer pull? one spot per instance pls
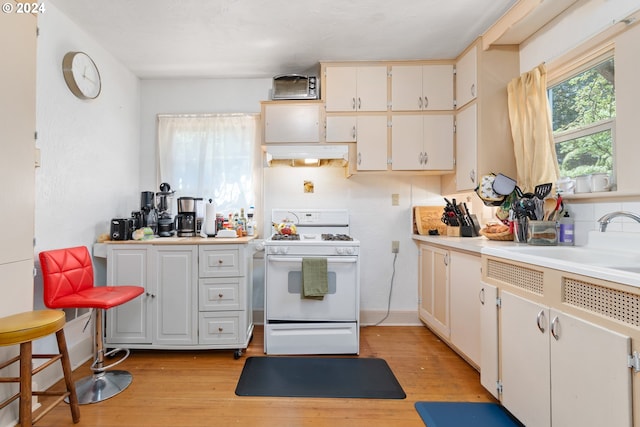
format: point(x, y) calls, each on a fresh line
point(220, 329)
point(220, 261)
point(220, 295)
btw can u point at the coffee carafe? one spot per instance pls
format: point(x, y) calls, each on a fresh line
point(185, 221)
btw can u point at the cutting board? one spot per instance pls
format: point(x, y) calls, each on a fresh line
point(427, 218)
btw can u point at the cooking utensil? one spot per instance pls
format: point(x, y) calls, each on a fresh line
point(542, 190)
point(550, 204)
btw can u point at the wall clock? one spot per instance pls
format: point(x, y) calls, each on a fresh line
point(81, 75)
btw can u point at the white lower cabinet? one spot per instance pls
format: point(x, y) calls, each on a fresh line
point(449, 298)
point(558, 370)
point(489, 366)
point(434, 288)
point(196, 296)
point(176, 294)
point(464, 293)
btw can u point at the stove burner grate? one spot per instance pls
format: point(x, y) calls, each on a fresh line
point(341, 237)
point(285, 237)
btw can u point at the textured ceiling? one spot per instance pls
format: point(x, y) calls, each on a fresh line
point(263, 38)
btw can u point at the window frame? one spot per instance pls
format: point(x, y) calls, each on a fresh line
point(569, 69)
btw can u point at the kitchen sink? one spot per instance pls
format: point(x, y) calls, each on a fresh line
point(611, 256)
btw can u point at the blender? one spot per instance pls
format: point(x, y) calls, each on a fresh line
point(164, 202)
point(149, 214)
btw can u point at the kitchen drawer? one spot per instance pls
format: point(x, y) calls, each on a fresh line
point(221, 261)
point(220, 294)
point(220, 328)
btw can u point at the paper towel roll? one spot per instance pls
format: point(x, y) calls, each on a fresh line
point(209, 226)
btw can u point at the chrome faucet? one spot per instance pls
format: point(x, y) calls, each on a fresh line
point(606, 219)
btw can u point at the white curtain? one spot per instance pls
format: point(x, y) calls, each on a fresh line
point(530, 117)
point(209, 156)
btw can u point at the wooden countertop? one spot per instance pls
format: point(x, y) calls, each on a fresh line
point(185, 241)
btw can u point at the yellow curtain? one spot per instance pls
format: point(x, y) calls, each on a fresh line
point(529, 113)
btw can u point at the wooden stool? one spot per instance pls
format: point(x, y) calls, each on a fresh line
point(22, 329)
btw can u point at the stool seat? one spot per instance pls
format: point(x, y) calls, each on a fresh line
point(29, 326)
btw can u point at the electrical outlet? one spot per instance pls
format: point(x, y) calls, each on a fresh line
point(395, 199)
point(395, 246)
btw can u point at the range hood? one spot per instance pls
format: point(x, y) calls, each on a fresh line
point(307, 155)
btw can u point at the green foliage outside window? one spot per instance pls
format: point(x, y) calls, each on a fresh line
point(583, 114)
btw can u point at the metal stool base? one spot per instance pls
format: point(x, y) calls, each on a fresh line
point(102, 386)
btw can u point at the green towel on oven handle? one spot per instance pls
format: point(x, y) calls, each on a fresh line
point(315, 284)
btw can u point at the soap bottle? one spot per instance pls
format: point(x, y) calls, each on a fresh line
point(566, 237)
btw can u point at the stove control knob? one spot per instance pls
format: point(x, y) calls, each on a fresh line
point(344, 251)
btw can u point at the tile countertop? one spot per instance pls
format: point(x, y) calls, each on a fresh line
point(575, 259)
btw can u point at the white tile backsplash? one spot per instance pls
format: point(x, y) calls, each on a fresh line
point(586, 217)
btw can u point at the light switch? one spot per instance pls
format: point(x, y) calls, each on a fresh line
point(395, 199)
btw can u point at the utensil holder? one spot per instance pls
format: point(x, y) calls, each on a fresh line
point(543, 233)
point(521, 230)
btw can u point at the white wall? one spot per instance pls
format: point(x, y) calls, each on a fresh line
point(582, 22)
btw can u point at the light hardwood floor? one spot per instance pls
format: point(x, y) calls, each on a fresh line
point(197, 388)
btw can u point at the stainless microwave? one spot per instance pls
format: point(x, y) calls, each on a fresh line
point(296, 86)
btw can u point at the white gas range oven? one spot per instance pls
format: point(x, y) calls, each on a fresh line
point(297, 325)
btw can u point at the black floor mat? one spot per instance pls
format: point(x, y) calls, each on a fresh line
point(318, 377)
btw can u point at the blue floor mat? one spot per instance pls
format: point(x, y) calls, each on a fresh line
point(465, 414)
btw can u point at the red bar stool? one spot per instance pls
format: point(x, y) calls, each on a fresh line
point(23, 329)
point(68, 283)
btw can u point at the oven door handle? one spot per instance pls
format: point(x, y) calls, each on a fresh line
point(330, 260)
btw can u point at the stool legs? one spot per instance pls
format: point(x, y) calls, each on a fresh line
point(103, 384)
point(68, 380)
point(25, 413)
point(25, 384)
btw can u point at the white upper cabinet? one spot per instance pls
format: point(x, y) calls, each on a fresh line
point(467, 77)
point(357, 88)
point(291, 122)
point(422, 142)
point(421, 87)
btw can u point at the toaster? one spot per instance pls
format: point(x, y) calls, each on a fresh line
point(121, 228)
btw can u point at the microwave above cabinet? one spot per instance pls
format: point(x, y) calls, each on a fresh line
point(295, 86)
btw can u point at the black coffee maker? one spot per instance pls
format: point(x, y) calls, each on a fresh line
point(164, 202)
point(185, 221)
point(149, 214)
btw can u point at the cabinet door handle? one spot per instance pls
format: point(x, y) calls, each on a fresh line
point(481, 296)
point(353, 103)
point(472, 176)
point(473, 89)
point(540, 320)
point(419, 103)
point(446, 259)
point(359, 103)
point(426, 158)
point(554, 328)
point(359, 158)
point(420, 157)
point(353, 133)
point(426, 102)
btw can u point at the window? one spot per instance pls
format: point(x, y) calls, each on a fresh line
point(583, 109)
point(209, 156)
